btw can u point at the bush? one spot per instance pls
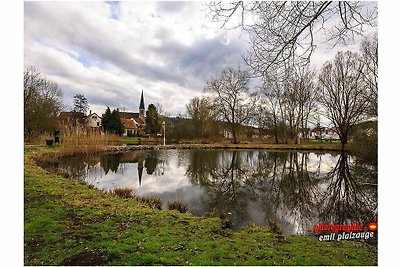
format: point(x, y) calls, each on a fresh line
point(154, 202)
point(179, 205)
point(365, 141)
point(274, 227)
point(226, 220)
point(125, 192)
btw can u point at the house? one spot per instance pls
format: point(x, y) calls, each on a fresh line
point(324, 133)
point(93, 120)
point(71, 122)
point(131, 127)
point(77, 122)
point(73, 119)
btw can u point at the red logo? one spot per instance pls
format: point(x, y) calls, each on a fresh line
point(372, 226)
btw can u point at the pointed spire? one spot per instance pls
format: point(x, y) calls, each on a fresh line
point(141, 102)
point(140, 171)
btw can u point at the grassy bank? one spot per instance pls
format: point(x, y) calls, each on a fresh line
point(67, 223)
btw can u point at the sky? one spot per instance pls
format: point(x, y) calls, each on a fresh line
point(111, 51)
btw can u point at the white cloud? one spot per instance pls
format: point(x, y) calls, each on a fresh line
point(110, 53)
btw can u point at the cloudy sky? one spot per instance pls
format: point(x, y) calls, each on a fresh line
point(111, 51)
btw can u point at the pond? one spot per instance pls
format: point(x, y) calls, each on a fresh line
point(294, 189)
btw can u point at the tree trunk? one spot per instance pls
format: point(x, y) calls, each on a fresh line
point(343, 140)
point(276, 130)
point(234, 134)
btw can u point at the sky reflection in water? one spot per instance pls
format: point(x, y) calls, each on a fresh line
point(296, 190)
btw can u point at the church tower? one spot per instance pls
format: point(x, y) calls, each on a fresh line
point(141, 108)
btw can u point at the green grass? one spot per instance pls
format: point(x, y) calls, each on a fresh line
point(325, 142)
point(131, 140)
point(67, 223)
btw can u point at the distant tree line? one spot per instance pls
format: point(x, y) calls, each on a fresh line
point(344, 91)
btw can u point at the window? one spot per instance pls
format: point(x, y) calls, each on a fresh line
point(98, 123)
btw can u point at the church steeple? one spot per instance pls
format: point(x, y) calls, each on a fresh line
point(141, 108)
point(140, 171)
point(141, 102)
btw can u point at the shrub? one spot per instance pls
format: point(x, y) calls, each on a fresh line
point(179, 205)
point(124, 192)
point(226, 220)
point(365, 141)
point(274, 227)
point(154, 202)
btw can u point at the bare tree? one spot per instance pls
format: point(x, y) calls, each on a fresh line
point(304, 103)
point(343, 92)
point(291, 101)
point(282, 32)
point(42, 103)
point(201, 111)
point(369, 51)
point(233, 102)
point(272, 102)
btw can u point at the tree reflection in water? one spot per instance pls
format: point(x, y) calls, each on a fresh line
point(348, 196)
point(280, 186)
point(294, 189)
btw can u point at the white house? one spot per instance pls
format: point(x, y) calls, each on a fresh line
point(324, 133)
point(93, 120)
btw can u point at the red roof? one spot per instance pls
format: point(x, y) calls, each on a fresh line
point(130, 124)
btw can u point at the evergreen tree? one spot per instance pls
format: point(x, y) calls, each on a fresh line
point(117, 126)
point(106, 120)
point(153, 125)
point(111, 122)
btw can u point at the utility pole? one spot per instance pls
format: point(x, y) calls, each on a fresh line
point(163, 124)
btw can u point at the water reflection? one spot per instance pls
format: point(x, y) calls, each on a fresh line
point(296, 190)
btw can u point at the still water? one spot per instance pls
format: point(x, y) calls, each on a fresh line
point(294, 189)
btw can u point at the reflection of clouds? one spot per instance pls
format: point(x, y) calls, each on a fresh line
point(128, 178)
point(173, 179)
point(194, 196)
point(325, 162)
point(265, 184)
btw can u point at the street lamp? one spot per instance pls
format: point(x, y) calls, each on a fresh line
point(163, 125)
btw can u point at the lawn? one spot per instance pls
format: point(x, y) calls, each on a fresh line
point(131, 140)
point(68, 223)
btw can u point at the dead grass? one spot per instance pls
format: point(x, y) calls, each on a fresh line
point(86, 144)
point(179, 205)
point(274, 227)
point(124, 192)
point(152, 201)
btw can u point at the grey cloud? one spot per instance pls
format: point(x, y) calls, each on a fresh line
point(187, 67)
point(204, 59)
point(171, 6)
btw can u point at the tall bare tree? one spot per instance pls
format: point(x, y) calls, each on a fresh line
point(272, 92)
point(42, 103)
point(233, 102)
point(201, 111)
point(285, 31)
point(305, 96)
point(290, 101)
point(369, 52)
point(344, 93)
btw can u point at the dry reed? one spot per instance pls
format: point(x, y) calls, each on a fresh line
point(179, 205)
point(86, 144)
